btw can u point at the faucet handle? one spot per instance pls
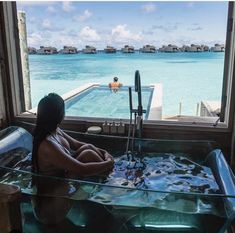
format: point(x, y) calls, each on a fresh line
point(138, 122)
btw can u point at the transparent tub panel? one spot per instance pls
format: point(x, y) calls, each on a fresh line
point(117, 202)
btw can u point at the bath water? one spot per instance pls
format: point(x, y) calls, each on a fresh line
point(164, 172)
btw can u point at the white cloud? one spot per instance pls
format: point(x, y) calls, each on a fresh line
point(51, 9)
point(169, 27)
point(70, 32)
point(197, 28)
point(149, 8)
point(89, 34)
point(65, 40)
point(86, 15)
point(35, 3)
point(46, 24)
point(35, 39)
point(190, 4)
point(32, 19)
point(121, 34)
point(67, 6)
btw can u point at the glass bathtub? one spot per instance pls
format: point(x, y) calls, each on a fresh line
point(165, 197)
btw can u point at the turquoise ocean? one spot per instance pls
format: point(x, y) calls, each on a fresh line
point(188, 78)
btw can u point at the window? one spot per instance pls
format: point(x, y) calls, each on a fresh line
point(181, 59)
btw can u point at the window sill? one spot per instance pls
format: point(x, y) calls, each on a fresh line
point(181, 123)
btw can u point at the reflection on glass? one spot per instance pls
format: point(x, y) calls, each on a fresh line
point(171, 185)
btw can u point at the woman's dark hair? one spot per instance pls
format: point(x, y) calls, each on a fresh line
point(115, 79)
point(50, 113)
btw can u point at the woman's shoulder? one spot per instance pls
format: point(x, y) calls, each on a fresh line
point(48, 145)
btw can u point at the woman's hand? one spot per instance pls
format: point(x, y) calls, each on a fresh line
point(108, 156)
point(110, 162)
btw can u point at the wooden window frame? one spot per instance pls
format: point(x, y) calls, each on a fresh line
point(17, 95)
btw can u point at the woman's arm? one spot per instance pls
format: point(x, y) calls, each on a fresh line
point(74, 144)
point(102, 153)
point(59, 158)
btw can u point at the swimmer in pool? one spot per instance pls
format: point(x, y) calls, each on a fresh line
point(115, 85)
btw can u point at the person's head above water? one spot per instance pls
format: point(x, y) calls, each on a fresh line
point(115, 79)
point(50, 111)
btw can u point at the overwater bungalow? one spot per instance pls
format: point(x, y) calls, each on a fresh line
point(218, 48)
point(47, 50)
point(89, 50)
point(32, 50)
point(169, 48)
point(193, 48)
point(185, 48)
point(68, 50)
point(128, 49)
point(162, 48)
point(148, 49)
point(110, 49)
point(205, 48)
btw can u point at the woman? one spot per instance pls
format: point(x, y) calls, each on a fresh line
point(57, 154)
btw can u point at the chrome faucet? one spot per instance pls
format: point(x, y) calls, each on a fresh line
point(138, 113)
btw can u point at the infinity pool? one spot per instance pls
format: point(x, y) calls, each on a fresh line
point(100, 101)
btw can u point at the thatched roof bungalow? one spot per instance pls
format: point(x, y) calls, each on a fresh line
point(218, 48)
point(32, 50)
point(68, 50)
point(194, 48)
point(148, 49)
point(128, 49)
point(89, 50)
point(169, 48)
point(47, 50)
point(110, 49)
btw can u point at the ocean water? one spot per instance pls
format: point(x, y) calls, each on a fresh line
point(188, 78)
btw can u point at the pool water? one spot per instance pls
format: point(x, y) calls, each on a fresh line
point(102, 102)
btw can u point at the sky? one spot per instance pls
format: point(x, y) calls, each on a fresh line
point(135, 23)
